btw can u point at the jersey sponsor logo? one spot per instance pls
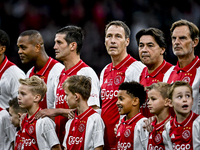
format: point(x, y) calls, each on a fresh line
point(151, 147)
point(60, 99)
point(28, 142)
point(186, 134)
point(127, 133)
point(81, 127)
point(118, 80)
point(123, 146)
point(19, 146)
point(75, 140)
point(31, 129)
point(108, 94)
point(158, 138)
point(181, 147)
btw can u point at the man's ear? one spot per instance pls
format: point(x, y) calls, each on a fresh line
point(136, 101)
point(2, 49)
point(73, 46)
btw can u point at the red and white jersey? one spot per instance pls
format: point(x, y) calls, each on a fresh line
point(49, 73)
point(190, 74)
point(146, 79)
point(110, 79)
point(9, 81)
point(38, 134)
point(7, 130)
point(85, 131)
point(131, 135)
point(79, 69)
point(183, 136)
point(155, 137)
point(18, 140)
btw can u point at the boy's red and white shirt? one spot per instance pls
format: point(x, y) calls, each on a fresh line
point(38, 134)
point(183, 136)
point(155, 137)
point(190, 74)
point(131, 135)
point(49, 73)
point(85, 131)
point(7, 130)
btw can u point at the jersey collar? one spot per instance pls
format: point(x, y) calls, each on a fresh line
point(185, 122)
point(188, 67)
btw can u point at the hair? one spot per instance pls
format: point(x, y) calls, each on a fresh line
point(34, 36)
point(73, 34)
point(121, 24)
point(158, 35)
point(194, 31)
point(178, 84)
point(161, 87)
point(4, 39)
point(79, 84)
point(37, 85)
point(15, 106)
point(134, 89)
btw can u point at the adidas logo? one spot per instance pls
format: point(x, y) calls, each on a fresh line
point(172, 136)
point(150, 137)
point(118, 134)
point(23, 131)
point(106, 81)
point(73, 129)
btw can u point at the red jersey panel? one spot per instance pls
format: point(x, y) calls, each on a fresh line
point(60, 99)
point(181, 133)
point(147, 79)
point(43, 74)
point(28, 133)
point(76, 136)
point(155, 137)
point(125, 133)
point(113, 76)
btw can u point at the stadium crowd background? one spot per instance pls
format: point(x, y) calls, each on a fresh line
point(47, 16)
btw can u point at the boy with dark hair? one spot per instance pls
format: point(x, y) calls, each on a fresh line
point(130, 133)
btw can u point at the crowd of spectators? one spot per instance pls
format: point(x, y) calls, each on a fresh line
point(47, 16)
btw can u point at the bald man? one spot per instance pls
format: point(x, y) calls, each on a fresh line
point(32, 51)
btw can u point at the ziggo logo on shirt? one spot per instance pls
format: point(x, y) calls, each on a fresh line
point(108, 94)
point(123, 146)
point(60, 99)
point(28, 142)
point(75, 140)
point(151, 147)
point(181, 147)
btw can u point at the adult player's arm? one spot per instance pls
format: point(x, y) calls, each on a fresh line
point(54, 112)
point(56, 147)
point(99, 148)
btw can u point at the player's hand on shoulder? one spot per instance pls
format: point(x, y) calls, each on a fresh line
point(71, 113)
point(147, 124)
point(45, 113)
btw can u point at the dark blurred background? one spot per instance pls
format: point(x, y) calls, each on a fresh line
point(47, 16)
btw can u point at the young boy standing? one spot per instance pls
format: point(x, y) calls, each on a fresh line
point(15, 113)
point(158, 104)
point(36, 134)
point(183, 131)
point(86, 130)
point(130, 133)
